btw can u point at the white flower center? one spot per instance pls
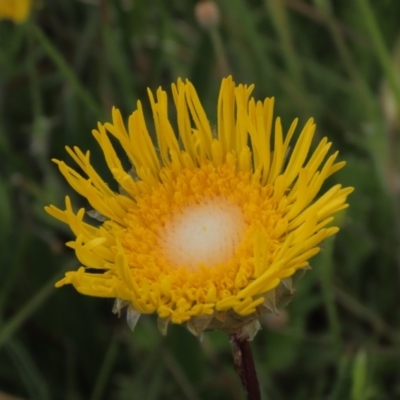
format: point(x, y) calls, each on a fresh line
point(206, 233)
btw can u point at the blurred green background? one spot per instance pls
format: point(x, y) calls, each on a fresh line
point(62, 71)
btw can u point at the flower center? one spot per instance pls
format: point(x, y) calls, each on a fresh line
point(203, 234)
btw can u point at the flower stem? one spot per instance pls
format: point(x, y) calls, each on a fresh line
point(244, 365)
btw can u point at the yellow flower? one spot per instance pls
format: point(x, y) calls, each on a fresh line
point(210, 225)
point(16, 10)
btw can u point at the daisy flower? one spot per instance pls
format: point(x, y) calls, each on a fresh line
point(211, 223)
point(15, 10)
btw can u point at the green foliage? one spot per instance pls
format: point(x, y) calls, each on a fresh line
point(61, 72)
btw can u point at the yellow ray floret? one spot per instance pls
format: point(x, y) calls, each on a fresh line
point(206, 226)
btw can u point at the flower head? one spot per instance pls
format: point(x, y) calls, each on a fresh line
point(16, 10)
point(209, 226)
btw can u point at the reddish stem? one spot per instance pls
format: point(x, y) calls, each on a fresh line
point(244, 366)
